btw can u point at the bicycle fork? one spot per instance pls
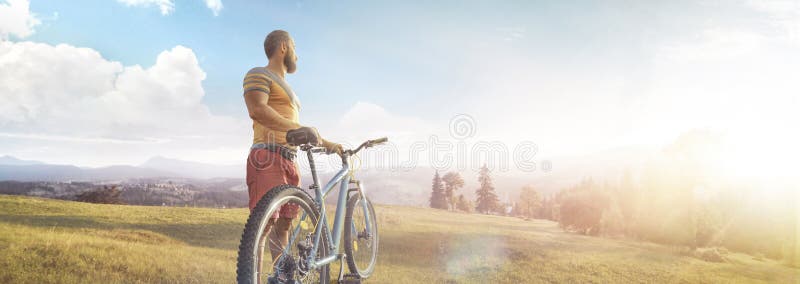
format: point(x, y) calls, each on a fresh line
point(363, 195)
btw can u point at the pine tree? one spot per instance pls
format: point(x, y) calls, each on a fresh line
point(487, 200)
point(452, 183)
point(438, 198)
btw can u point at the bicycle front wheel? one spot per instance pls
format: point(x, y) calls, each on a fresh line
point(360, 240)
point(265, 256)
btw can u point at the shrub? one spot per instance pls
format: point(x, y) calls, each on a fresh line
point(104, 195)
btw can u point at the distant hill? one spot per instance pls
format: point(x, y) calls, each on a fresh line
point(194, 169)
point(13, 161)
point(46, 172)
point(412, 186)
point(401, 187)
point(12, 168)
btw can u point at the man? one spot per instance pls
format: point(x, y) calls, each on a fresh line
point(274, 109)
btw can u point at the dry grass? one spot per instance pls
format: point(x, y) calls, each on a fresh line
point(50, 241)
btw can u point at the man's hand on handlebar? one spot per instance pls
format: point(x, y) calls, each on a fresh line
point(332, 147)
point(367, 144)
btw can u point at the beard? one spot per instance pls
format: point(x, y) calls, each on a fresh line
point(289, 62)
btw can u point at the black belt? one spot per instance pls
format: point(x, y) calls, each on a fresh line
point(285, 152)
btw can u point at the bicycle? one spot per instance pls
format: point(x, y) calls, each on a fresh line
point(306, 257)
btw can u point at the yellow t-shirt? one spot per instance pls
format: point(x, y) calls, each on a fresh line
point(281, 100)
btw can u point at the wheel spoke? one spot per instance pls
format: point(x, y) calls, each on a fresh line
point(361, 236)
point(292, 255)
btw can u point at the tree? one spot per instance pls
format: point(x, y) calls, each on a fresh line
point(106, 195)
point(529, 202)
point(463, 204)
point(546, 211)
point(452, 183)
point(628, 198)
point(515, 209)
point(487, 200)
point(438, 199)
point(506, 208)
point(581, 208)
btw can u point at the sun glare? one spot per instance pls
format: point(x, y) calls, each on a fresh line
point(757, 156)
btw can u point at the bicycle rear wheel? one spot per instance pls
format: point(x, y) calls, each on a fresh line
point(360, 241)
point(255, 262)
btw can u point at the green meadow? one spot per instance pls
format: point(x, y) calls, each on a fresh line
point(53, 241)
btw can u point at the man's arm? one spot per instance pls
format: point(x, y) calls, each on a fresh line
point(261, 112)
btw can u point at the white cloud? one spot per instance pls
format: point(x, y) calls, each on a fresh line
point(73, 97)
point(16, 19)
point(784, 15)
point(512, 33)
point(367, 120)
point(168, 6)
point(364, 120)
point(740, 79)
point(80, 139)
point(67, 104)
point(775, 6)
point(714, 44)
point(215, 6)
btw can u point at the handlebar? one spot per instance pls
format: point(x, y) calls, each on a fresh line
point(350, 152)
point(366, 144)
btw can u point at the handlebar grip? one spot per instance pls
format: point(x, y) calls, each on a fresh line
point(380, 140)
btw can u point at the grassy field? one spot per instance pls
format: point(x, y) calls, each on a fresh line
point(51, 241)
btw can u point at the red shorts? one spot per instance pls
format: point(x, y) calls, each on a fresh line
point(266, 170)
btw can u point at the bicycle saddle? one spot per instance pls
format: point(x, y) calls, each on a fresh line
point(303, 135)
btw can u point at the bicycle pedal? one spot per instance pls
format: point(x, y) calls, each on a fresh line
point(351, 279)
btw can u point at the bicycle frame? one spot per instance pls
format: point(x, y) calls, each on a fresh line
point(342, 178)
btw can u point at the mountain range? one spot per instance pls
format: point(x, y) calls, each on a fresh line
point(12, 168)
point(407, 187)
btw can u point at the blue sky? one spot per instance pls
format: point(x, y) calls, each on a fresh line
point(573, 76)
point(352, 51)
